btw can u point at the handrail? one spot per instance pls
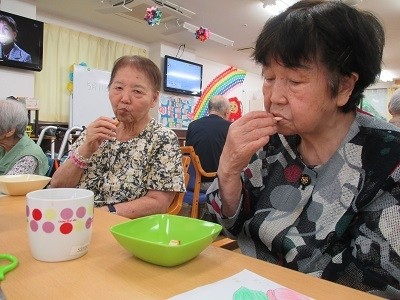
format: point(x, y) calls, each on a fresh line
point(65, 140)
point(41, 136)
point(43, 132)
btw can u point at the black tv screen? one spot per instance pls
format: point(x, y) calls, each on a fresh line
point(182, 76)
point(21, 41)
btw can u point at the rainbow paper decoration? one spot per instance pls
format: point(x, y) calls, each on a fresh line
point(220, 85)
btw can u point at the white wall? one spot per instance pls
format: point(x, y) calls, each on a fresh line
point(17, 82)
point(21, 82)
point(249, 93)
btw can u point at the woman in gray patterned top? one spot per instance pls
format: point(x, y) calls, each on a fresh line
point(323, 195)
point(131, 163)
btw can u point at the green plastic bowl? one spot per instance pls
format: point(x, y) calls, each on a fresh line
point(149, 238)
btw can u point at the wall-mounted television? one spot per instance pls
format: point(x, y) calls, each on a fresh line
point(21, 42)
point(182, 76)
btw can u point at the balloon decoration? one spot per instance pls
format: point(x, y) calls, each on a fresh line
point(236, 109)
point(202, 34)
point(70, 84)
point(153, 15)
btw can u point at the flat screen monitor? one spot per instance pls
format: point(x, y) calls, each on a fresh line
point(21, 41)
point(182, 76)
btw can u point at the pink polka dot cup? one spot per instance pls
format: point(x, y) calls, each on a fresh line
point(59, 223)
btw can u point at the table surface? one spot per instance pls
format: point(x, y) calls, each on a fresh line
point(109, 271)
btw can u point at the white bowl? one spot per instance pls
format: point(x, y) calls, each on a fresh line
point(17, 185)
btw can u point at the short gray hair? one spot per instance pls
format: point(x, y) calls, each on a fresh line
point(13, 115)
point(394, 103)
point(219, 104)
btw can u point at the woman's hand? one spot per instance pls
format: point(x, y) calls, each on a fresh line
point(101, 129)
point(245, 136)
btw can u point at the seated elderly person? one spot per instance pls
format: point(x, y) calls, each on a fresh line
point(394, 108)
point(18, 153)
point(323, 196)
point(131, 163)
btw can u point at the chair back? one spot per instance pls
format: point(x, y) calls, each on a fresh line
point(176, 205)
point(194, 195)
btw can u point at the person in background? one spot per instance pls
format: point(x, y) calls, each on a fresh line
point(207, 135)
point(323, 197)
point(18, 153)
point(8, 35)
point(394, 108)
point(131, 163)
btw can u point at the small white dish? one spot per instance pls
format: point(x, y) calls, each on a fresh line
point(18, 185)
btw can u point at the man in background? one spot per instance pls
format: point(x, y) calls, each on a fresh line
point(8, 35)
point(207, 135)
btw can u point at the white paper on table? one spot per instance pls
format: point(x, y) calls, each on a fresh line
point(226, 288)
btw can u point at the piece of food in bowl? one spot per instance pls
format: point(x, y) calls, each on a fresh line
point(174, 242)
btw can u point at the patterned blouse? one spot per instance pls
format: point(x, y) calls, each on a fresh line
point(26, 165)
point(123, 171)
point(339, 221)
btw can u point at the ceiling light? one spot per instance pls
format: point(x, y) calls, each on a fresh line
point(275, 7)
point(386, 76)
point(351, 2)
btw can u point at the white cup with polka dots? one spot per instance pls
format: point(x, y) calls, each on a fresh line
point(59, 223)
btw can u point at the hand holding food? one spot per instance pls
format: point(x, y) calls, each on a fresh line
point(103, 128)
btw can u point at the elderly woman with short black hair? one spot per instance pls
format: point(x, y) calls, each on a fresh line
point(322, 197)
point(18, 153)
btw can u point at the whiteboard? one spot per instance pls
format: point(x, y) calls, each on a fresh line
point(90, 96)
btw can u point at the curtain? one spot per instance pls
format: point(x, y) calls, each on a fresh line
point(63, 47)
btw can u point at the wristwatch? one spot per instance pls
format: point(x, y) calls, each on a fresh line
point(112, 209)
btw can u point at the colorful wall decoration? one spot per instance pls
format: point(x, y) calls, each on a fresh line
point(220, 85)
point(176, 111)
point(70, 84)
point(236, 109)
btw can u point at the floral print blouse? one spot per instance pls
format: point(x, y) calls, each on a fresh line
point(339, 221)
point(26, 165)
point(124, 171)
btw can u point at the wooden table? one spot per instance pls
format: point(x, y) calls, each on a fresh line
point(108, 271)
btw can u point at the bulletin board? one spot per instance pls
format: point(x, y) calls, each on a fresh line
point(176, 111)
